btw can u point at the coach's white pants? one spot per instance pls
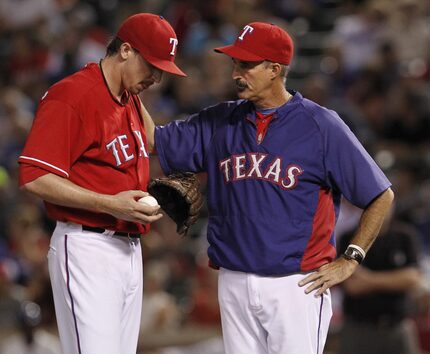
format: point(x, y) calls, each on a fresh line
point(97, 286)
point(271, 315)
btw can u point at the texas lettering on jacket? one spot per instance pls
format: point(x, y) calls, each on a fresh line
point(250, 166)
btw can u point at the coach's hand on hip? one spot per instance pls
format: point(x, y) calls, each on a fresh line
point(329, 275)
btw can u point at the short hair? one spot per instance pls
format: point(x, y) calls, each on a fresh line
point(113, 46)
point(284, 69)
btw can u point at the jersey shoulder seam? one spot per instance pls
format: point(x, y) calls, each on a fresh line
point(311, 113)
point(75, 110)
point(221, 122)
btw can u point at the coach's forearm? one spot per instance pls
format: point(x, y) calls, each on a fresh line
point(149, 128)
point(61, 191)
point(371, 220)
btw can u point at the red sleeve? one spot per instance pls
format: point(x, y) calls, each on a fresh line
point(28, 173)
point(56, 139)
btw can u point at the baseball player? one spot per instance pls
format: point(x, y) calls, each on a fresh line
point(277, 165)
point(86, 156)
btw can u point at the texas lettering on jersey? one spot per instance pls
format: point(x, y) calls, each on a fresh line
point(120, 148)
point(250, 166)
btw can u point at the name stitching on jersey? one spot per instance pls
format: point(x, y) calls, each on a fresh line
point(119, 148)
point(249, 166)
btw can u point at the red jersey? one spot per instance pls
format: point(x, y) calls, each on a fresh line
point(81, 132)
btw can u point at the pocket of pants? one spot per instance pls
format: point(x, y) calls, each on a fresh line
point(52, 251)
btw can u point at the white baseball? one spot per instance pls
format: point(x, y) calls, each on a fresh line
point(148, 200)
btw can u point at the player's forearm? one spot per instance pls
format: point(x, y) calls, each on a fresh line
point(61, 191)
point(371, 220)
point(123, 205)
point(396, 280)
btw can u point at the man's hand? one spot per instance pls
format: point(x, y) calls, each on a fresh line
point(329, 275)
point(337, 271)
point(125, 206)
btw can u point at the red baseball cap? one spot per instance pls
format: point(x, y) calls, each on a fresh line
point(154, 38)
point(260, 41)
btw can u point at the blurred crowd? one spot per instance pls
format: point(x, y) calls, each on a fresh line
point(367, 60)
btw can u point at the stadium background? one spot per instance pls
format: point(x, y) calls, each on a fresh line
point(368, 60)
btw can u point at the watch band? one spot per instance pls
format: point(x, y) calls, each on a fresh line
point(352, 253)
point(358, 248)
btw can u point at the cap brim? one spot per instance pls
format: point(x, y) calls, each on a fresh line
point(238, 53)
point(165, 65)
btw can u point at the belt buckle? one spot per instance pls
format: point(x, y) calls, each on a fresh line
point(129, 235)
point(132, 239)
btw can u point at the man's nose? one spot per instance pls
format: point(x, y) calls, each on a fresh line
point(235, 74)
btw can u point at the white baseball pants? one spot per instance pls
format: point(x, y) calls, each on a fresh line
point(271, 315)
point(97, 282)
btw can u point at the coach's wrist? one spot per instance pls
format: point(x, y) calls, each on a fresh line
point(354, 253)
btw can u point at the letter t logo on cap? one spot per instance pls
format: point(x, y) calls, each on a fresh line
point(246, 29)
point(173, 41)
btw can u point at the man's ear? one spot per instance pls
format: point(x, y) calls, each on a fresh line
point(275, 69)
point(125, 50)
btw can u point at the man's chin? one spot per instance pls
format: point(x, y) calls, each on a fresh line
point(242, 94)
point(135, 90)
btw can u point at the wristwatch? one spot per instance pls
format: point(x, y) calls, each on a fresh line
point(353, 254)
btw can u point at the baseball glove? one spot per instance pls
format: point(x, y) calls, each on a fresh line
point(180, 197)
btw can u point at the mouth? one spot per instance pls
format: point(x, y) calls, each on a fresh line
point(143, 85)
point(241, 85)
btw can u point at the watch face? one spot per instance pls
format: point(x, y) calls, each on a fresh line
point(352, 253)
point(349, 252)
